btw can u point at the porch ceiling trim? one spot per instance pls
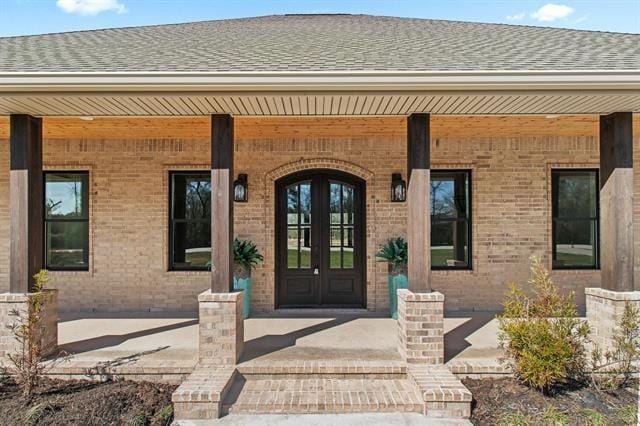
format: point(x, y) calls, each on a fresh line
point(357, 93)
point(320, 81)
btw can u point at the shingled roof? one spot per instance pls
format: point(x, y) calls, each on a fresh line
point(321, 43)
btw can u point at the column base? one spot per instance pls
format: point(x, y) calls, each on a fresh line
point(421, 327)
point(10, 302)
point(604, 312)
point(221, 328)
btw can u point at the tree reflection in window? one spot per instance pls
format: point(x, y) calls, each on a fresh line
point(190, 222)
point(450, 219)
point(66, 220)
point(575, 219)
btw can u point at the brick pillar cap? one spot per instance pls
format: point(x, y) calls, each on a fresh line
point(612, 295)
point(208, 296)
point(23, 297)
point(409, 296)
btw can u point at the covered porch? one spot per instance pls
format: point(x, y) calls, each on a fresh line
point(164, 347)
point(499, 149)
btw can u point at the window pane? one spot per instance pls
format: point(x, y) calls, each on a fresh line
point(449, 244)
point(348, 207)
point(575, 244)
point(305, 247)
point(192, 245)
point(450, 215)
point(192, 196)
point(66, 195)
point(335, 192)
point(292, 248)
point(305, 203)
point(577, 194)
point(292, 204)
point(334, 258)
point(449, 194)
point(67, 244)
point(335, 236)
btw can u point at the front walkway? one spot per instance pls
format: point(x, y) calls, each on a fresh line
point(164, 346)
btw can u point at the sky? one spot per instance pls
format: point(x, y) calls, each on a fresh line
point(22, 17)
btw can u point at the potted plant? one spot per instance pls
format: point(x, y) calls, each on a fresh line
point(394, 252)
point(245, 257)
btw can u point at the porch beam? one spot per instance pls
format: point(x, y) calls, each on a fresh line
point(221, 203)
point(26, 194)
point(418, 209)
point(616, 201)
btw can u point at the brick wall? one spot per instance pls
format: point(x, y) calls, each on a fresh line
point(511, 159)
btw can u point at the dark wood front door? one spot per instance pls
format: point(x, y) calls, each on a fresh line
point(320, 240)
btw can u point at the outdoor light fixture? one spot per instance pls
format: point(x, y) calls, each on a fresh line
point(241, 189)
point(398, 188)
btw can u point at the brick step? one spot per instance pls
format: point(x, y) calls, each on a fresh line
point(444, 395)
point(249, 394)
point(327, 369)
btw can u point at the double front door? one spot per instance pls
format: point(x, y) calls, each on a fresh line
point(320, 240)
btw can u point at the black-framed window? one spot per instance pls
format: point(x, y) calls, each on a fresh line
point(66, 220)
point(575, 207)
point(450, 219)
point(190, 221)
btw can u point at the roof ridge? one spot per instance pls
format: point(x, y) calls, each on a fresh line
point(247, 18)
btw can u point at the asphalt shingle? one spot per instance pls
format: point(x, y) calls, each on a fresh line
point(321, 43)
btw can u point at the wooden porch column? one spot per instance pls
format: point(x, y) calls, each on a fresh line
point(418, 209)
point(616, 201)
point(26, 202)
point(221, 203)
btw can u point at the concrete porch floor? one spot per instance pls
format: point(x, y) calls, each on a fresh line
point(164, 346)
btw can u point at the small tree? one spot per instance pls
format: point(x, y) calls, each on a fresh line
point(614, 367)
point(542, 336)
point(26, 364)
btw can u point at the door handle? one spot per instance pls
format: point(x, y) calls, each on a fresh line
point(316, 271)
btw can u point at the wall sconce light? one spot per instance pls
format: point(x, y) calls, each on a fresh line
point(241, 189)
point(398, 188)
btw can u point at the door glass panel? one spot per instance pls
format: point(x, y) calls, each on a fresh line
point(342, 211)
point(292, 248)
point(305, 247)
point(299, 225)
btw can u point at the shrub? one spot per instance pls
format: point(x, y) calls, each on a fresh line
point(542, 336)
point(614, 368)
point(395, 253)
point(26, 365)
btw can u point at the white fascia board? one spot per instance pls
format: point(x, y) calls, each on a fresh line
point(409, 81)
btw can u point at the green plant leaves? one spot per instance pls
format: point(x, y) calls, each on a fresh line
point(394, 252)
point(246, 255)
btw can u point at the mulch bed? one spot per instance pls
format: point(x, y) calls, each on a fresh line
point(79, 402)
point(506, 402)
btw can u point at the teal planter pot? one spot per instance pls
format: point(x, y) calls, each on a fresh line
point(396, 282)
point(245, 285)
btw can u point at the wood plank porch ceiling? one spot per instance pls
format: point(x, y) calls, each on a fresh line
point(347, 104)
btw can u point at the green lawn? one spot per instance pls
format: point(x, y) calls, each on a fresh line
point(198, 259)
point(573, 259)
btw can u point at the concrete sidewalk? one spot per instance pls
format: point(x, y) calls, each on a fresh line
point(366, 419)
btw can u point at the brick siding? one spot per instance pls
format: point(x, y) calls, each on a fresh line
point(129, 202)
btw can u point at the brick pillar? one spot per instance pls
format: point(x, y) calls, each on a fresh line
point(221, 328)
point(421, 327)
point(604, 311)
point(10, 302)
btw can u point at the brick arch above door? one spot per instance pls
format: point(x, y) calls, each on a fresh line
point(270, 213)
